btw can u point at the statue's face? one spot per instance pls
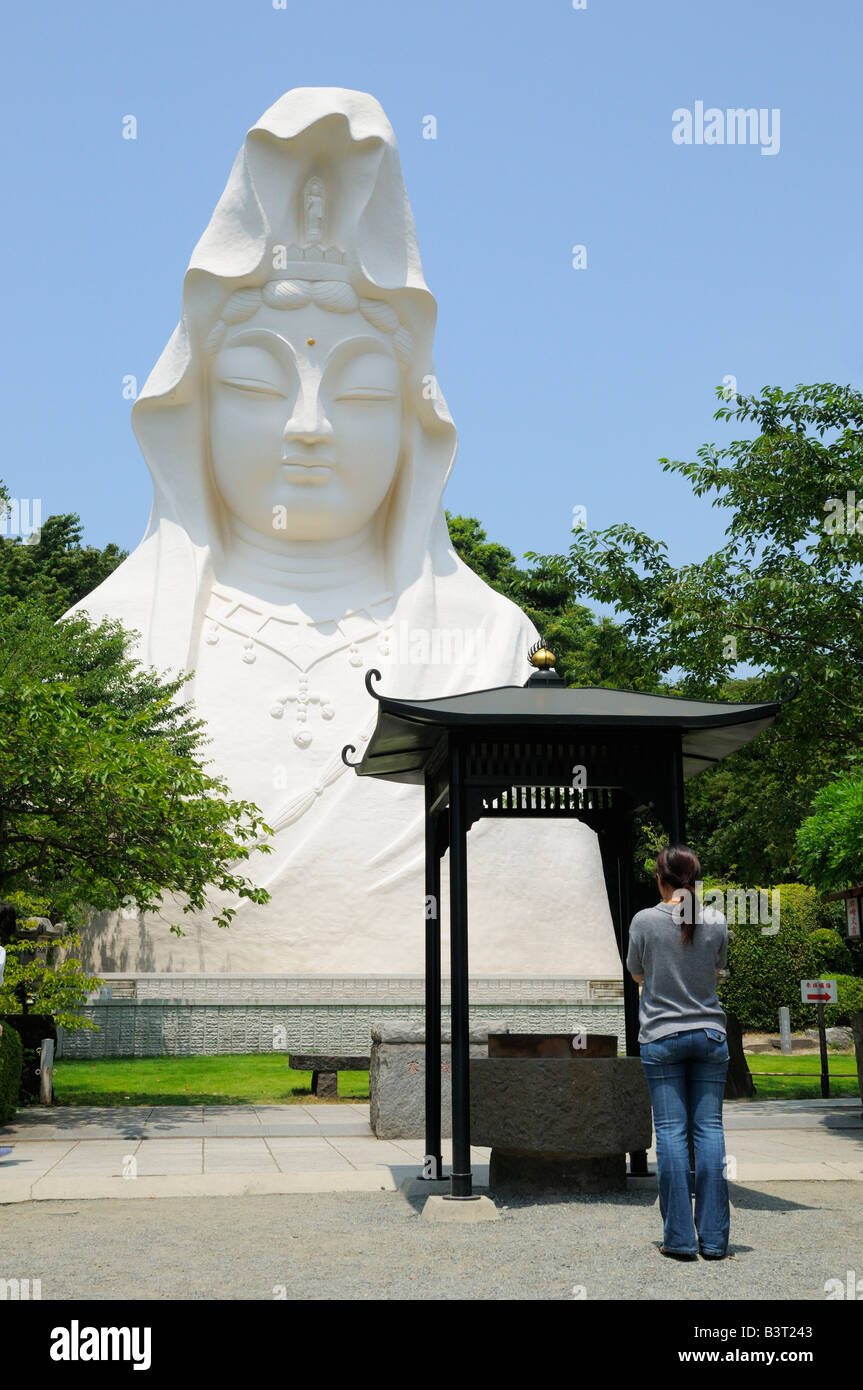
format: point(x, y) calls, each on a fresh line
point(305, 422)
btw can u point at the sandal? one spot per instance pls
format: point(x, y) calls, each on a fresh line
point(676, 1254)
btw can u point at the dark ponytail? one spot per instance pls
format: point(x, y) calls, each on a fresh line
point(677, 866)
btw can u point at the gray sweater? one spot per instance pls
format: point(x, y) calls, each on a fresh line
point(679, 990)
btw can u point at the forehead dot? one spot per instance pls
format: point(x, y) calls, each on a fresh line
point(311, 342)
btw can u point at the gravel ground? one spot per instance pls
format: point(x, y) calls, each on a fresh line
point(787, 1240)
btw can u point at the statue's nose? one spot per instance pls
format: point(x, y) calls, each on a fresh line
point(308, 424)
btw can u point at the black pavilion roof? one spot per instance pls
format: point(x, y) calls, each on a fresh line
point(408, 731)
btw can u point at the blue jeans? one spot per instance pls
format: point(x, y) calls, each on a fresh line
point(686, 1074)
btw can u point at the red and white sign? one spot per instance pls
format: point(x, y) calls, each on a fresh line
point(852, 917)
point(818, 991)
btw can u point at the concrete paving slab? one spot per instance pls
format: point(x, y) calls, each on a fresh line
point(846, 1170)
point(300, 1144)
point(239, 1129)
point(322, 1160)
point(80, 1152)
point(237, 1156)
point(95, 1158)
point(202, 1185)
point(778, 1171)
point(42, 1133)
point(78, 1115)
point(178, 1113)
point(32, 1157)
point(190, 1130)
point(229, 1112)
point(277, 1114)
point(222, 1184)
point(414, 1148)
point(363, 1152)
point(288, 1130)
point(159, 1157)
point(347, 1129)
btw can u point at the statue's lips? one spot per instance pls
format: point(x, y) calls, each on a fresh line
point(307, 470)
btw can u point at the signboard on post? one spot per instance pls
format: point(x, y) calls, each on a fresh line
point(852, 917)
point(818, 991)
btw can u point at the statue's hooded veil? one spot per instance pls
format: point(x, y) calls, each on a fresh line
point(162, 589)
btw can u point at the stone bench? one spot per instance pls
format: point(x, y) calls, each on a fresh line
point(397, 1078)
point(325, 1068)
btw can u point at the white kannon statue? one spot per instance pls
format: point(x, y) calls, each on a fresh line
point(299, 445)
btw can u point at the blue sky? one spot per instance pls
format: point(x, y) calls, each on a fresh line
point(554, 129)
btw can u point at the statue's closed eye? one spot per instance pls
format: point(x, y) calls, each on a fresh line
point(262, 388)
point(366, 393)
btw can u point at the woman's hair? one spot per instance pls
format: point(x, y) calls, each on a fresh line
point(677, 866)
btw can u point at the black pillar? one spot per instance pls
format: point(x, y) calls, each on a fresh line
point(677, 803)
point(432, 1164)
point(615, 843)
point(638, 1157)
point(461, 1181)
point(616, 847)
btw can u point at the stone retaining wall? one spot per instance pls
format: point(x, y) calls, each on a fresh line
point(147, 1015)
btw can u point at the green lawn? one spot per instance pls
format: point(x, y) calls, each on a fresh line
point(250, 1079)
point(842, 1068)
point(265, 1079)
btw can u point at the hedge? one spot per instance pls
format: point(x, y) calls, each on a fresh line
point(11, 1061)
point(849, 990)
point(829, 954)
point(765, 971)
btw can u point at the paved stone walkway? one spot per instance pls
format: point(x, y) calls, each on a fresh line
point(175, 1151)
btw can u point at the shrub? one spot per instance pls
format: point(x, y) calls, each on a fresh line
point(11, 1061)
point(828, 953)
point(765, 974)
point(801, 906)
point(766, 970)
point(849, 989)
point(855, 951)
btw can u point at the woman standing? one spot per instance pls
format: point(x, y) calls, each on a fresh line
point(676, 952)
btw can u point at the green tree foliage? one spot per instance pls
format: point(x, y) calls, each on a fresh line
point(104, 797)
point(742, 815)
point(96, 661)
point(41, 977)
point(11, 1063)
point(56, 570)
point(590, 650)
point(830, 840)
point(784, 594)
